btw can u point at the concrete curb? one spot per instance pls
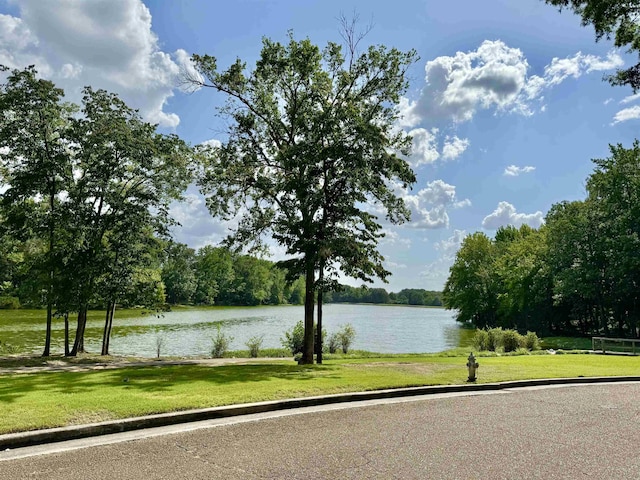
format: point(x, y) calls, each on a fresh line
point(38, 437)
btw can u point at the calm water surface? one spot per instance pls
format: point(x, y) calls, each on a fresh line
point(188, 332)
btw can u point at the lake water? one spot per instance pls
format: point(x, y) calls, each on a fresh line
point(378, 329)
point(189, 332)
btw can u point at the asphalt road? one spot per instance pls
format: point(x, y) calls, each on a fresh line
point(587, 431)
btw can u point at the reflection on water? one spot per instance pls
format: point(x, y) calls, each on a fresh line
point(188, 332)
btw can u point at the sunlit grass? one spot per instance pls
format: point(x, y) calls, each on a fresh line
point(43, 400)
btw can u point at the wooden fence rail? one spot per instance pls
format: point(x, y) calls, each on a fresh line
point(630, 346)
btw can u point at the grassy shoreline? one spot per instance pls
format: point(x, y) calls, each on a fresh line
point(51, 399)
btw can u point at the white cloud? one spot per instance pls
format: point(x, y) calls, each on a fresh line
point(408, 115)
point(18, 45)
point(492, 77)
point(394, 266)
point(435, 274)
point(562, 68)
point(454, 147)
point(428, 147)
point(213, 143)
point(450, 246)
point(391, 237)
point(197, 227)
point(505, 214)
point(627, 114)
point(107, 44)
point(514, 171)
point(425, 146)
point(429, 207)
point(629, 99)
point(593, 63)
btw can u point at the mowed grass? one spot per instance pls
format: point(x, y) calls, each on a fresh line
point(50, 399)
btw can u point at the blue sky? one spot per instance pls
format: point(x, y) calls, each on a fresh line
point(506, 105)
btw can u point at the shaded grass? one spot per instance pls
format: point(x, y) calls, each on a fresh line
point(566, 343)
point(50, 399)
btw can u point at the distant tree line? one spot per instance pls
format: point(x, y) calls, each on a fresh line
point(408, 296)
point(217, 276)
point(579, 273)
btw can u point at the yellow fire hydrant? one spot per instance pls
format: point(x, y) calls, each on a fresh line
point(473, 366)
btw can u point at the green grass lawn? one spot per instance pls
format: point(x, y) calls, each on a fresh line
point(49, 399)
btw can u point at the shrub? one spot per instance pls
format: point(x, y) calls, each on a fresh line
point(254, 344)
point(531, 341)
point(494, 339)
point(481, 340)
point(346, 335)
point(511, 340)
point(333, 343)
point(221, 343)
point(294, 339)
point(9, 303)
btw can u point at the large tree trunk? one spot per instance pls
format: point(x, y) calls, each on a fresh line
point(307, 354)
point(66, 334)
point(47, 340)
point(319, 337)
point(78, 345)
point(105, 347)
point(106, 336)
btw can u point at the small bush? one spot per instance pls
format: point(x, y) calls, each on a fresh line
point(531, 341)
point(481, 340)
point(494, 339)
point(346, 335)
point(9, 303)
point(221, 343)
point(294, 339)
point(333, 343)
point(511, 340)
point(254, 344)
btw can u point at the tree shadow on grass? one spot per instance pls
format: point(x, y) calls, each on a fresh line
point(153, 378)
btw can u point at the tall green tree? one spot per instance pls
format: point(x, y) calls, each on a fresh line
point(472, 287)
point(614, 192)
point(35, 163)
point(578, 266)
point(125, 176)
point(311, 142)
point(524, 277)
